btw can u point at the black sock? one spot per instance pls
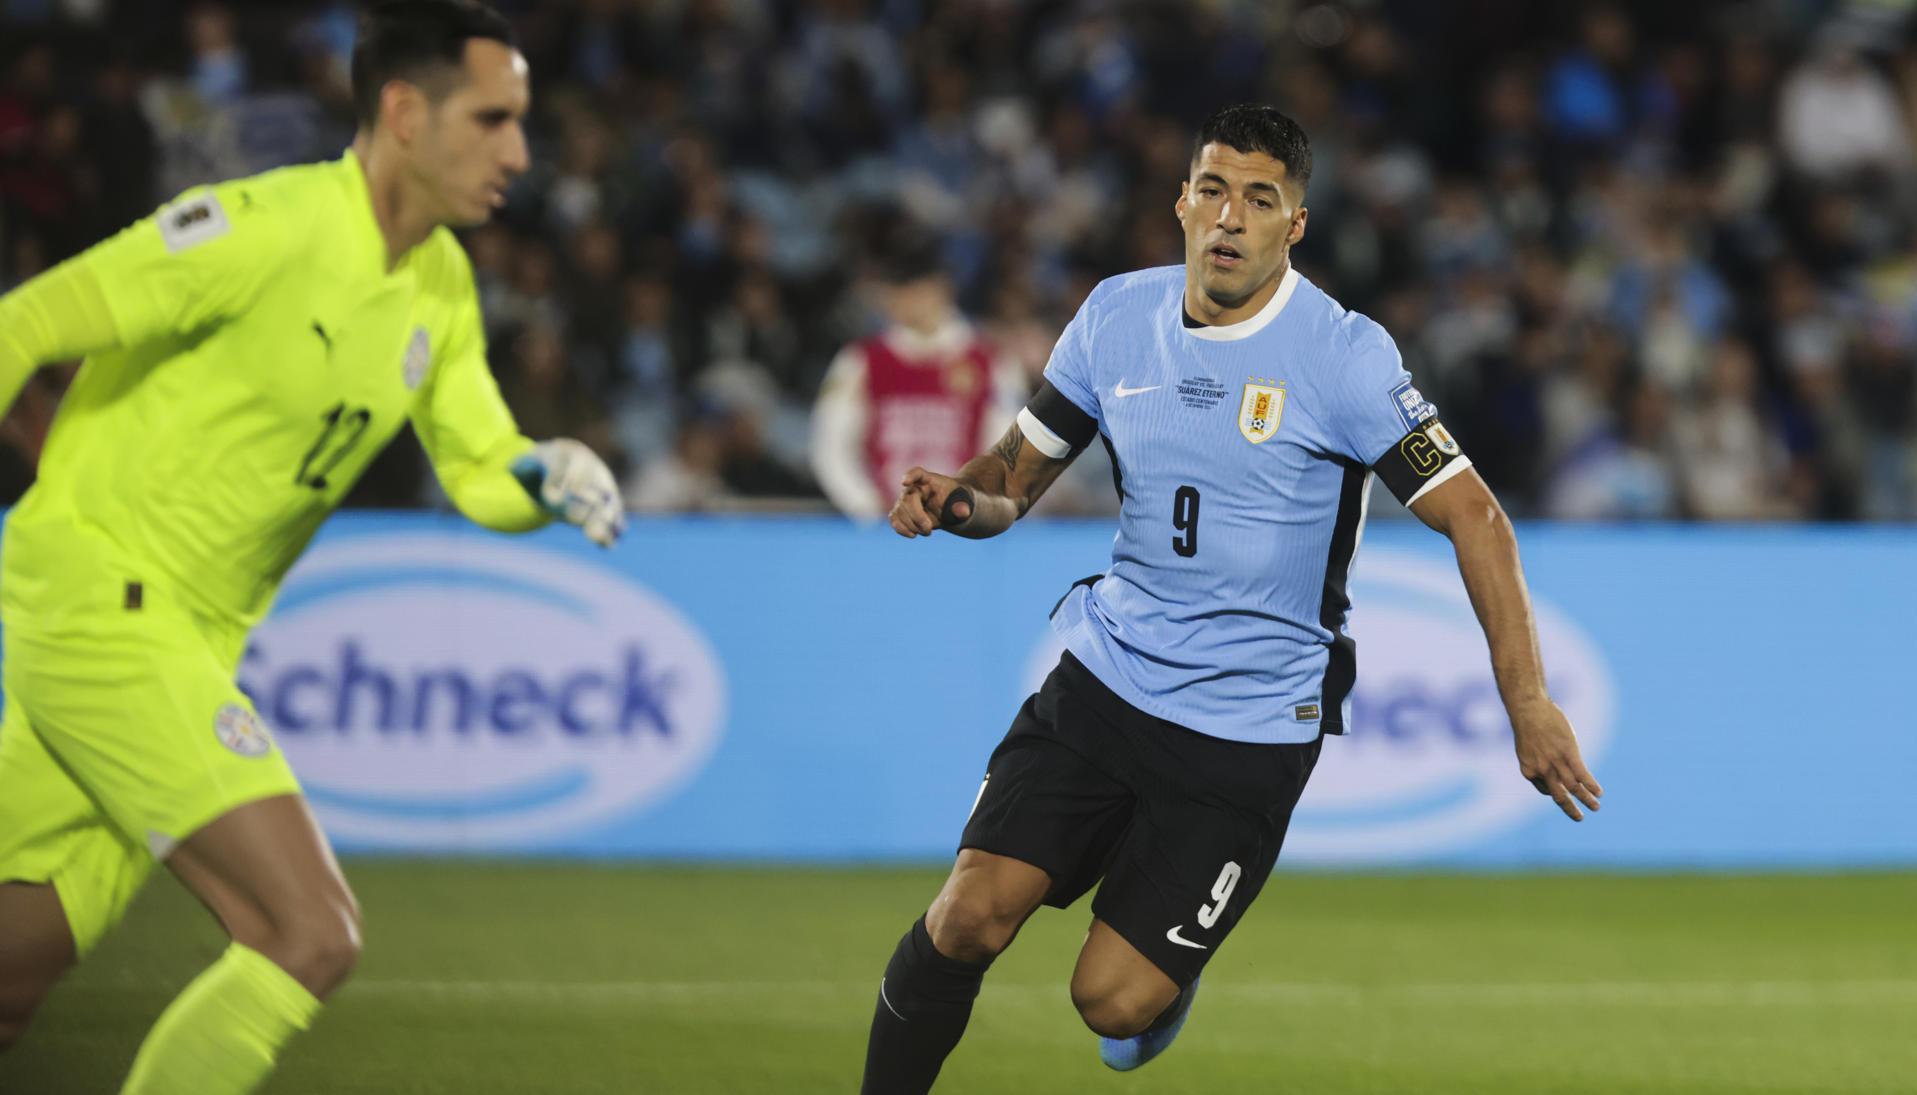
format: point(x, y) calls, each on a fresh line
point(924, 1002)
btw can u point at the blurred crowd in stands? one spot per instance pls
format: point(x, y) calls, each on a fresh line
point(1652, 260)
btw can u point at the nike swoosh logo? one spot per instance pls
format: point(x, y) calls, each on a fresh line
point(888, 1003)
point(1182, 941)
point(1122, 391)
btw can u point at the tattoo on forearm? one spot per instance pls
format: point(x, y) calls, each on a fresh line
point(1008, 448)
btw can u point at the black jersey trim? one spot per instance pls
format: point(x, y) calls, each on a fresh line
point(1341, 672)
point(1118, 474)
point(1089, 580)
point(1057, 413)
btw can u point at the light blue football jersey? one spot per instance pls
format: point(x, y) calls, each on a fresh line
point(1244, 455)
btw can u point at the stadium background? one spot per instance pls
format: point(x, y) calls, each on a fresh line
point(1657, 262)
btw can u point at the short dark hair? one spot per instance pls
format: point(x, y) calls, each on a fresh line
point(1255, 127)
point(408, 39)
point(910, 254)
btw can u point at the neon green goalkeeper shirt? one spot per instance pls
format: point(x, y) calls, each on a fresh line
point(262, 355)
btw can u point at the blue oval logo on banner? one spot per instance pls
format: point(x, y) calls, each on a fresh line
point(440, 691)
point(1428, 767)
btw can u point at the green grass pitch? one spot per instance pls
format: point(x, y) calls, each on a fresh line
point(493, 977)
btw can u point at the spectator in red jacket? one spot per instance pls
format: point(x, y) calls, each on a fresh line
point(927, 390)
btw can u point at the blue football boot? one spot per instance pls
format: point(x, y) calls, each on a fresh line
point(1125, 1054)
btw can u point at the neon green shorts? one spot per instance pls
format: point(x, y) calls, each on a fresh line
point(124, 734)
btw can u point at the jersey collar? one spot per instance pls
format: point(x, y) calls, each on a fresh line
point(367, 243)
point(1245, 328)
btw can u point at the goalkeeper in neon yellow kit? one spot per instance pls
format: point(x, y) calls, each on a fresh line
point(248, 350)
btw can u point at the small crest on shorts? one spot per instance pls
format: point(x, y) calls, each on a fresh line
point(240, 730)
point(419, 357)
point(1261, 409)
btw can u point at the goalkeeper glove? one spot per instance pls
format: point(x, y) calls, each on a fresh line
point(573, 484)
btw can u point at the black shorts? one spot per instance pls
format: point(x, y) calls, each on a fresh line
point(1184, 828)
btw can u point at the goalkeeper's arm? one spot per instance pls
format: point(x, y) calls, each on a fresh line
point(495, 475)
point(58, 316)
point(519, 486)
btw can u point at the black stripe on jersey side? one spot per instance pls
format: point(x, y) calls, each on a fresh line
point(1341, 672)
point(1118, 477)
point(1062, 416)
point(1090, 580)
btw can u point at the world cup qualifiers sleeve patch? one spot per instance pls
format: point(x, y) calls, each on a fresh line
point(192, 221)
point(1413, 408)
point(1424, 457)
point(1054, 424)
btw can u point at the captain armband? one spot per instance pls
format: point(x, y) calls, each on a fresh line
point(1425, 457)
point(1054, 424)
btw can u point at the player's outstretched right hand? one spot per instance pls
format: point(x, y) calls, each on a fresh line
point(924, 500)
point(573, 484)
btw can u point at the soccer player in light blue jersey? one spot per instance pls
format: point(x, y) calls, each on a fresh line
point(1245, 412)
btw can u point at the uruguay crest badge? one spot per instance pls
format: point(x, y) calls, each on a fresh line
point(1263, 406)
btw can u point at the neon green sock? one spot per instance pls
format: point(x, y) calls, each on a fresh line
point(223, 1034)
